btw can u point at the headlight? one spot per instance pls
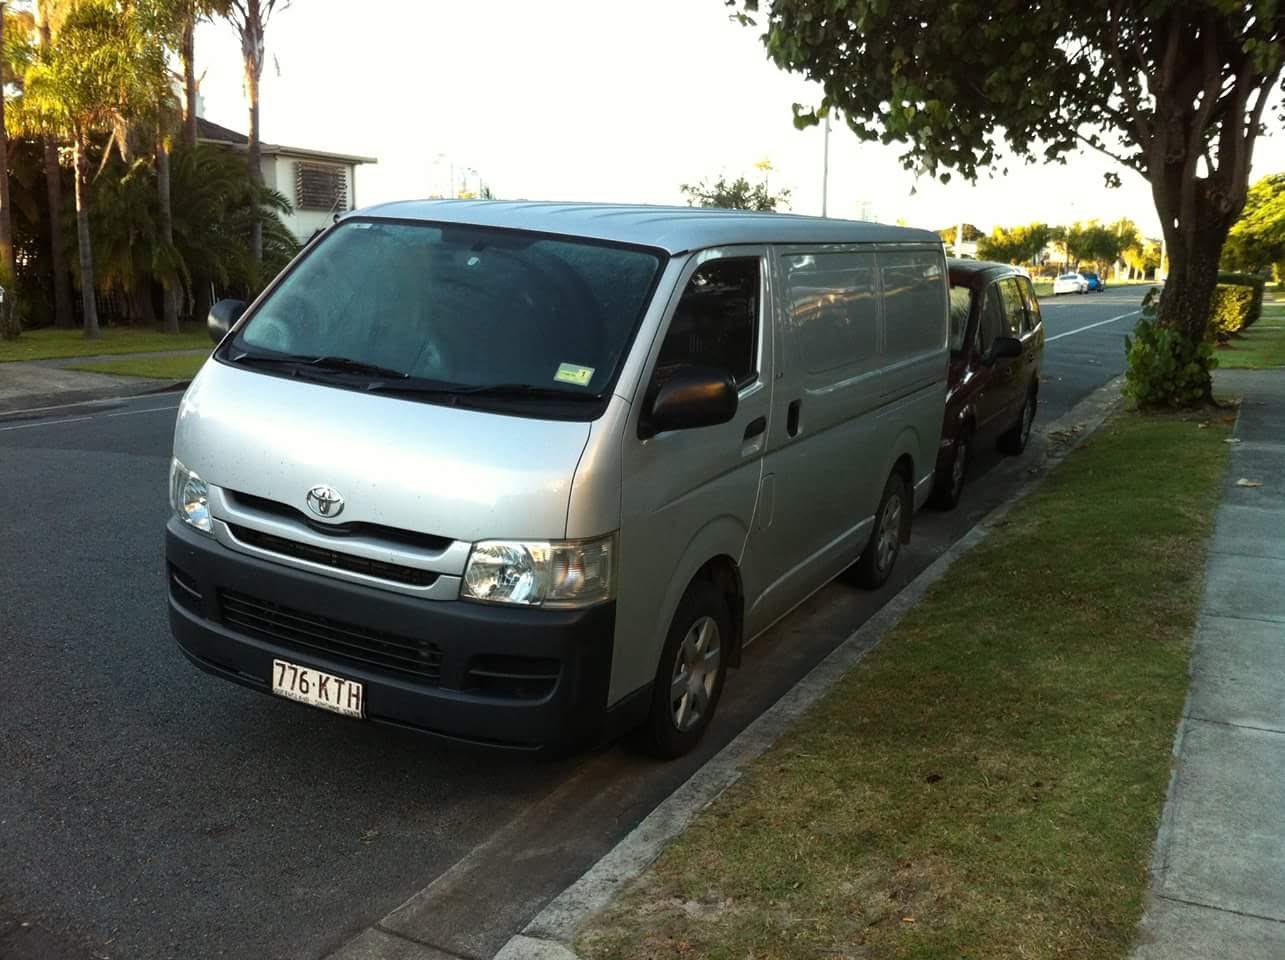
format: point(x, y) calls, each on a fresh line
point(189, 497)
point(561, 573)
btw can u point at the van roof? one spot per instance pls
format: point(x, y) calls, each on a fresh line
point(672, 229)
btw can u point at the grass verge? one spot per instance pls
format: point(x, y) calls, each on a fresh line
point(49, 344)
point(159, 368)
point(988, 782)
point(1260, 347)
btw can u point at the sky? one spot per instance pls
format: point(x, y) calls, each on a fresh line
point(602, 100)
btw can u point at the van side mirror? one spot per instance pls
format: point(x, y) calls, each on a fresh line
point(1005, 348)
point(690, 397)
point(222, 316)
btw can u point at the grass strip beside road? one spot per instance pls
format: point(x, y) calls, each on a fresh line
point(158, 368)
point(988, 782)
point(49, 344)
point(1261, 346)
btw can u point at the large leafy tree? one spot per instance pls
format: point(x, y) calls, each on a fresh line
point(1021, 244)
point(1175, 90)
point(738, 194)
point(101, 74)
point(1257, 239)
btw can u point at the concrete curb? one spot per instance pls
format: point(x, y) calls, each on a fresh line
point(551, 933)
point(45, 402)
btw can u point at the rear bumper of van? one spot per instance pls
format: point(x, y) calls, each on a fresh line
point(523, 679)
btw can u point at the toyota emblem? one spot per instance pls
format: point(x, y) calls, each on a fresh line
point(325, 501)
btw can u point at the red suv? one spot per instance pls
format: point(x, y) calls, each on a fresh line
point(996, 348)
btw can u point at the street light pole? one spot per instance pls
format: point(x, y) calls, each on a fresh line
point(825, 170)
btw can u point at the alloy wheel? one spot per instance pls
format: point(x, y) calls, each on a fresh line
point(695, 673)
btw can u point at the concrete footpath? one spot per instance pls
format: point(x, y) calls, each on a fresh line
point(1218, 874)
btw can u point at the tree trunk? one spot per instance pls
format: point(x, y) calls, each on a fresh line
point(187, 53)
point(170, 300)
point(53, 188)
point(8, 266)
point(57, 247)
point(1189, 288)
point(256, 169)
point(201, 300)
point(87, 295)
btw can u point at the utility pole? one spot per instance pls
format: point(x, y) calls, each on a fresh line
point(959, 239)
point(825, 170)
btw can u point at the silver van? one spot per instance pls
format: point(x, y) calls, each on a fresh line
point(532, 474)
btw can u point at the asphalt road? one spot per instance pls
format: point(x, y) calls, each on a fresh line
point(148, 810)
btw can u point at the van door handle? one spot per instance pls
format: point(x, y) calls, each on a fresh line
point(792, 418)
point(755, 427)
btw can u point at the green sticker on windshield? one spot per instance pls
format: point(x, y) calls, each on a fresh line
point(574, 373)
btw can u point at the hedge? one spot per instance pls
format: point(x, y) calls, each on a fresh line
point(1256, 285)
point(1230, 309)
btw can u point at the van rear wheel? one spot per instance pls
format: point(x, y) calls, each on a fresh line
point(892, 518)
point(689, 679)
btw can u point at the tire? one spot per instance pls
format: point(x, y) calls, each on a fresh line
point(1014, 440)
point(949, 486)
point(675, 725)
point(892, 521)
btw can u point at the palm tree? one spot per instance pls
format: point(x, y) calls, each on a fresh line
point(216, 207)
point(49, 15)
point(9, 328)
point(250, 17)
point(193, 11)
point(103, 72)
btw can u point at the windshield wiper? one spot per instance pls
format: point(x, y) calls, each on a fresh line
point(524, 390)
point(500, 390)
point(324, 362)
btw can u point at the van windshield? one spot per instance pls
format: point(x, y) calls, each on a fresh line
point(455, 306)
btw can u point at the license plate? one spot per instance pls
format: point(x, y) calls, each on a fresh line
point(318, 689)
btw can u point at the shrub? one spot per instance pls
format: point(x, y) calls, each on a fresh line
point(1256, 284)
point(1165, 368)
point(1230, 310)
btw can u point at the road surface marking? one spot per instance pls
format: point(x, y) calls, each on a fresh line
point(1100, 323)
point(50, 423)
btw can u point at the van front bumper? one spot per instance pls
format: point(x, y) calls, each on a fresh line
point(500, 676)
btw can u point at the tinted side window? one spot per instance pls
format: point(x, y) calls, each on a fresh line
point(1033, 318)
point(914, 307)
point(961, 304)
point(834, 308)
point(993, 322)
point(1014, 307)
point(716, 322)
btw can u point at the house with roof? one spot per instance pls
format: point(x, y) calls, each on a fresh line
point(318, 184)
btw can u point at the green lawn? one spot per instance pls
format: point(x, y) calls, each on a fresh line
point(160, 368)
point(48, 344)
point(1260, 347)
point(988, 782)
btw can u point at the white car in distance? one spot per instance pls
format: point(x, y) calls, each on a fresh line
point(1070, 283)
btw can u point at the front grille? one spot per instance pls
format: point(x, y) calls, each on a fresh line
point(376, 531)
point(396, 572)
point(511, 678)
point(313, 633)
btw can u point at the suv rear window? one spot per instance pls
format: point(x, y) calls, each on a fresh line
point(961, 305)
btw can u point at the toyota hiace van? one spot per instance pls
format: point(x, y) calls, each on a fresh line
point(530, 474)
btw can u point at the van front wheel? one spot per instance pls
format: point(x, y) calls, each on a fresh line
point(689, 679)
point(892, 520)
